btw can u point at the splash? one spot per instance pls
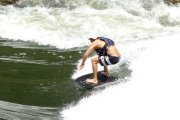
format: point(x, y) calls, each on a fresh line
point(65, 28)
point(152, 92)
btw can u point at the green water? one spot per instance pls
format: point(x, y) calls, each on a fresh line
point(37, 75)
point(36, 81)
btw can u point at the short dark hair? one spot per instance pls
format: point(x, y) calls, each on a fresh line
point(92, 39)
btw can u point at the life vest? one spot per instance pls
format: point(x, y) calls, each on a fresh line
point(103, 51)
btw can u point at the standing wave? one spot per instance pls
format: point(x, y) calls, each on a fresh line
point(151, 94)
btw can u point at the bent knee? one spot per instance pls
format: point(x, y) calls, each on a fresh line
point(94, 60)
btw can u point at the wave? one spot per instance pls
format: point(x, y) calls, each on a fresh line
point(151, 93)
point(64, 28)
point(24, 112)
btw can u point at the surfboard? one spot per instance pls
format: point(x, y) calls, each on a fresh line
point(102, 79)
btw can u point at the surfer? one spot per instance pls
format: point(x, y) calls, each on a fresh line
point(107, 53)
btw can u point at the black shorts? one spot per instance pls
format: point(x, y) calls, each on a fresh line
point(108, 60)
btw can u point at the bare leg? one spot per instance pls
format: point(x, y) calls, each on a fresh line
point(94, 68)
point(106, 71)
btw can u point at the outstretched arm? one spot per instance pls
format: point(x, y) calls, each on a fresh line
point(86, 54)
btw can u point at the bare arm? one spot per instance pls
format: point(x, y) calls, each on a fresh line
point(87, 53)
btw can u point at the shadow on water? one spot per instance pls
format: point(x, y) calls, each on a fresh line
point(36, 75)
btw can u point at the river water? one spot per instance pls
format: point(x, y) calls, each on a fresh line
point(41, 45)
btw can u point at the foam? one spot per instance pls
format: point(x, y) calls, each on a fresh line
point(69, 28)
point(152, 93)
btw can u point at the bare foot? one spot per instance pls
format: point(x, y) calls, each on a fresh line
point(91, 81)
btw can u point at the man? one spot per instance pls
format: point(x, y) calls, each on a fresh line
point(107, 54)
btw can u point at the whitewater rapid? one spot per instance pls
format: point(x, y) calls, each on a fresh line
point(151, 93)
point(65, 28)
point(145, 31)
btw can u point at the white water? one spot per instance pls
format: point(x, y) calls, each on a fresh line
point(64, 28)
point(145, 31)
point(151, 94)
point(153, 90)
